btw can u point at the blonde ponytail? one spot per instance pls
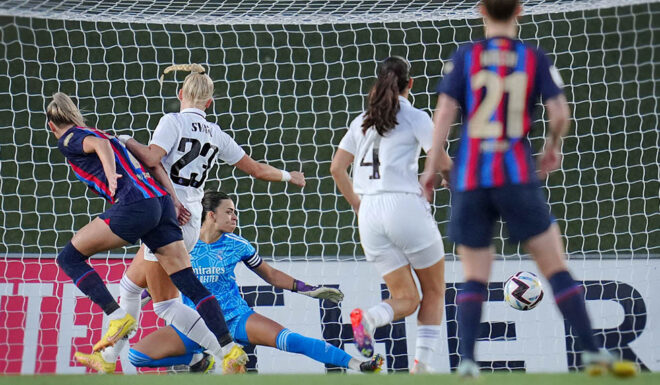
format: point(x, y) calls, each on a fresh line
point(197, 87)
point(63, 111)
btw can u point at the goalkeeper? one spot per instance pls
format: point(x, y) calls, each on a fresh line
point(214, 258)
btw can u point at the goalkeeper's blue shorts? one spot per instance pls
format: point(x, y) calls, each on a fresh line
point(237, 329)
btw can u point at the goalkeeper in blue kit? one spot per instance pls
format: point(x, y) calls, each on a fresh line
point(214, 258)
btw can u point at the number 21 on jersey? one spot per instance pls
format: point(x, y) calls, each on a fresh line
point(515, 86)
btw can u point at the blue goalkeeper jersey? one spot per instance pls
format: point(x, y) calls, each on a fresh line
point(214, 265)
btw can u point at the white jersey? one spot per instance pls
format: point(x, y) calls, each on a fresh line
point(192, 146)
point(389, 163)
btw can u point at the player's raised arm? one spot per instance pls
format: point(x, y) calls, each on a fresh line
point(269, 173)
point(283, 280)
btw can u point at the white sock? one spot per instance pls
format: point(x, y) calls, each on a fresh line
point(117, 314)
point(428, 337)
point(196, 358)
point(354, 364)
point(380, 315)
point(189, 322)
point(129, 300)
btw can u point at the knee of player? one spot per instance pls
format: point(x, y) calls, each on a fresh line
point(411, 302)
point(138, 359)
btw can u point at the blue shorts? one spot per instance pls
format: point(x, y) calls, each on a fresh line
point(473, 214)
point(153, 220)
point(237, 327)
point(191, 346)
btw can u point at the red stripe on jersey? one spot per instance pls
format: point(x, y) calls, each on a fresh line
point(498, 159)
point(124, 163)
point(475, 67)
point(474, 143)
point(472, 163)
point(90, 177)
point(530, 68)
point(521, 159)
point(152, 182)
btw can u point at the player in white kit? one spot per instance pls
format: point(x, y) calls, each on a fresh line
point(187, 145)
point(397, 229)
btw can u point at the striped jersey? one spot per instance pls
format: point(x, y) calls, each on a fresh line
point(497, 82)
point(214, 265)
point(135, 182)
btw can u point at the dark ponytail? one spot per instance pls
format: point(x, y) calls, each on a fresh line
point(211, 201)
point(393, 78)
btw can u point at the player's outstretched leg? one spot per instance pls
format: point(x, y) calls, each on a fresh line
point(258, 330)
point(169, 347)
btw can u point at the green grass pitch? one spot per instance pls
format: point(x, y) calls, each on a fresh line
point(332, 379)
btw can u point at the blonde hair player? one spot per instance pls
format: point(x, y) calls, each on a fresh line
point(141, 209)
point(397, 229)
point(497, 82)
point(188, 146)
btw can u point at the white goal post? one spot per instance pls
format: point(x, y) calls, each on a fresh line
point(289, 77)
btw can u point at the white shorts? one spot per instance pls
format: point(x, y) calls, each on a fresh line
point(190, 232)
point(398, 229)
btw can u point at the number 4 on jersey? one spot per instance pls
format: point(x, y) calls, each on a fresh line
point(375, 163)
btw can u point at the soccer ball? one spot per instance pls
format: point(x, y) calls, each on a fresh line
point(523, 291)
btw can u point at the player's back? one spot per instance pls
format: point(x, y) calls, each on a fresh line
point(389, 163)
point(135, 182)
point(497, 82)
point(192, 145)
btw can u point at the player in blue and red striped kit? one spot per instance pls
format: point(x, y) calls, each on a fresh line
point(141, 209)
point(497, 82)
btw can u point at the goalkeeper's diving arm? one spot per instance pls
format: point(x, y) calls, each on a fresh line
point(282, 280)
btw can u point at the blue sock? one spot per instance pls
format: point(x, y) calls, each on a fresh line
point(469, 302)
point(205, 303)
point(318, 350)
point(86, 278)
point(570, 300)
point(139, 360)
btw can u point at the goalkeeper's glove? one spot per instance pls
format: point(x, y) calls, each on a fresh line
point(321, 292)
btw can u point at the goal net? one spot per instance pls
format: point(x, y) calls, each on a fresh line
point(289, 77)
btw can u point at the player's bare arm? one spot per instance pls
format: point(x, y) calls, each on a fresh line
point(103, 150)
point(269, 173)
point(438, 161)
point(151, 157)
point(559, 122)
point(282, 280)
point(338, 169)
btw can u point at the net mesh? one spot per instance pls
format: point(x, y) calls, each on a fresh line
point(289, 77)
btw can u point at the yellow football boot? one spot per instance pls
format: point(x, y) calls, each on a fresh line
point(234, 361)
point(95, 362)
point(117, 329)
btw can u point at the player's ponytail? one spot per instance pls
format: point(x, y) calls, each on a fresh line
point(197, 87)
point(62, 111)
point(211, 201)
point(393, 78)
